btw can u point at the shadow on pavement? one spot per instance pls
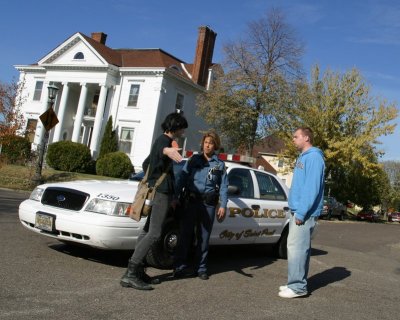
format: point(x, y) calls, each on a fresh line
point(112, 258)
point(317, 252)
point(326, 277)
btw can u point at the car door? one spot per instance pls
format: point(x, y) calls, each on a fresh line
point(272, 206)
point(238, 222)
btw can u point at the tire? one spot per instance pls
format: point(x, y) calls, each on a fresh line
point(280, 249)
point(161, 253)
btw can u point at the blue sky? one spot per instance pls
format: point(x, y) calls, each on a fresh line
point(337, 34)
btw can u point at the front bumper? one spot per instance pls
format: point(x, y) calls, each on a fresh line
point(92, 229)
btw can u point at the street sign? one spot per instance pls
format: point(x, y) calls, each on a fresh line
point(49, 119)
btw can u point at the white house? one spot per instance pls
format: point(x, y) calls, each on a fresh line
point(137, 87)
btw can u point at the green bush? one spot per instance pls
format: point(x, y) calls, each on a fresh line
point(69, 156)
point(15, 149)
point(114, 164)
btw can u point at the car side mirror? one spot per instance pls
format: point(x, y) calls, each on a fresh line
point(233, 190)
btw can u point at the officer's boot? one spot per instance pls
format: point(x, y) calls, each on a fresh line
point(145, 277)
point(132, 279)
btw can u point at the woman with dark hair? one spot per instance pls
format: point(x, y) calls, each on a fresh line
point(205, 181)
point(159, 161)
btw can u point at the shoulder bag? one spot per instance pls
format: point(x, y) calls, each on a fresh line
point(143, 201)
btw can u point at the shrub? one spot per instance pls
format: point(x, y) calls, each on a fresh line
point(15, 149)
point(114, 164)
point(109, 141)
point(69, 156)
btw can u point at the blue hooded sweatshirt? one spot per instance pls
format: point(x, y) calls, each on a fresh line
point(307, 189)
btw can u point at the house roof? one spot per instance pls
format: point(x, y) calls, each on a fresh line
point(269, 145)
point(140, 58)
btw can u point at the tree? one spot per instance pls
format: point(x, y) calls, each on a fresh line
point(12, 121)
point(109, 141)
point(244, 97)
point(392, 199)
point(347, 122)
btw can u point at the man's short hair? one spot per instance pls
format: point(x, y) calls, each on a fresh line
point(174, 122)
point(307, 132)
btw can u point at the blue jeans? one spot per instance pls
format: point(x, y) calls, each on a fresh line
point(199, 215)
point(299, 251)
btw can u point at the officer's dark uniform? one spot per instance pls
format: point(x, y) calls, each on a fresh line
point(205, 182)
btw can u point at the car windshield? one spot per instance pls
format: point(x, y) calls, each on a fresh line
point(140, 175)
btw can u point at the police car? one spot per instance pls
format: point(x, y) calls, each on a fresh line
point(94, 213)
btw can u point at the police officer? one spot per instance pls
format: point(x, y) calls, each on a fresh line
point(205, 183)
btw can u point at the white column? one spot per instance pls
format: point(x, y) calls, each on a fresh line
point(98, 121)
point(61, 112)
point(79, 113)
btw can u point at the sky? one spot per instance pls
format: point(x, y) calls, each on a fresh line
point(338, 35)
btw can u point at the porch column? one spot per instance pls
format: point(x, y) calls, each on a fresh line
point(61, 112)
point(80, 112)
point(98, 121)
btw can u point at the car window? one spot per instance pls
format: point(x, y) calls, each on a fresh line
point(241, 178)
point(270, 189)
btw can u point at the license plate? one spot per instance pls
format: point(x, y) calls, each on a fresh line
point(45, 221)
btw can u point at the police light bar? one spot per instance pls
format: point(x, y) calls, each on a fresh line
point(224, 156)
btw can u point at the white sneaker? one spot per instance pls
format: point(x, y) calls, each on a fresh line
point(281, 288)
point(289, 293)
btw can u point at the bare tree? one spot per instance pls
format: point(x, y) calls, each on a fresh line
point(11, 99)
point(244, 99)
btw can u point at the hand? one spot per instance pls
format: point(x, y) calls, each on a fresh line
point(175, 203)
point(221, 213)
point(299, 222)
point(173, 154)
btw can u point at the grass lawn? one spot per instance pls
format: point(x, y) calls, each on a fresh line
point(20, 177)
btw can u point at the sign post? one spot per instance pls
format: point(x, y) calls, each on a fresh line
point(49, 120)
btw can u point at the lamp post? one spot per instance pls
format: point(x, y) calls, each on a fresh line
point(52, 93)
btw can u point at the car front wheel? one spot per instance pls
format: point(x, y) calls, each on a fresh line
point(161, 253)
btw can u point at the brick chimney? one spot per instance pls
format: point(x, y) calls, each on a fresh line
point(99, 37)
point(204, 54)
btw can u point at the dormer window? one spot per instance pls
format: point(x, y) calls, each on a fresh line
point(79, 56)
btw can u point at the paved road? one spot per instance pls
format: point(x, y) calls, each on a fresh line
point(354, 274)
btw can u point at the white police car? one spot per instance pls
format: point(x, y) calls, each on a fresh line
point(94, 213)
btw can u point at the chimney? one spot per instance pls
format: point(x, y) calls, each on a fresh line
point(204, 54)
point(99, 37)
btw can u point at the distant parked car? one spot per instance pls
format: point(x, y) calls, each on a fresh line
point(394, 217)
point(368, 215)
point(333, 208)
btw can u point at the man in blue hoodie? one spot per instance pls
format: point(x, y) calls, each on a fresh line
point(305, 202)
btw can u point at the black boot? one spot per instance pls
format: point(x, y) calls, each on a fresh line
point(132, 279)
point(145, 277)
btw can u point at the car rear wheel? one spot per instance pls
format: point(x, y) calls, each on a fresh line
point(280, 249)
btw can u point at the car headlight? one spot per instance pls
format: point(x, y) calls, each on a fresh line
point(36, 194)
point(111, 208)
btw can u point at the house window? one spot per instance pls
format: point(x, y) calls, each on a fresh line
point(125, 141)
point(179, 102)
point(133, 95)
point(280, 163)
point(38, 91)
point(79, 56)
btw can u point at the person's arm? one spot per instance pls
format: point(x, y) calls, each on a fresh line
point(223, 195)
point(173, 154)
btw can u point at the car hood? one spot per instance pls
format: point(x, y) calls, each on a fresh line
point(118, 190)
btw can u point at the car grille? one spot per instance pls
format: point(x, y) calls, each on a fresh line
point(64, 198)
